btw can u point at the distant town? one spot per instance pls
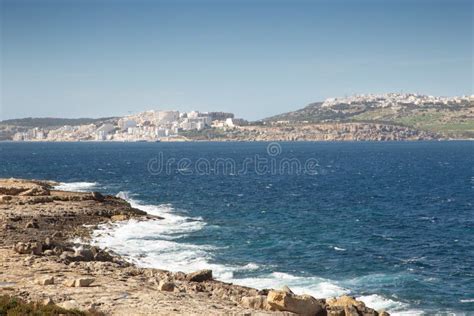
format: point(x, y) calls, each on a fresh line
point(389, 116)
point(150, 125)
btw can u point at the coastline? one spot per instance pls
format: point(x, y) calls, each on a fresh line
point(46, 253)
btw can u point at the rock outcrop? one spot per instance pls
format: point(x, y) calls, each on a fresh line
point(349, 306)
point(298, 304)
point(44, 261)
point(199, 276)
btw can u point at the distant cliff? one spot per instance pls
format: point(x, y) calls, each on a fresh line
point(448, 117)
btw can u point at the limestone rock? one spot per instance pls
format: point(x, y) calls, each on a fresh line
point(199, 276)
point(255, 302)
point(98, 196)
point(299, 304)
point(47, 280)
point(348, 306)
point(35, 248)
point(344, 301)
point(166, 286)
point(70, 283)
point(83, 254)
point(339, 311)
point(83, 282)
point(119, 217)
point(101, 255)
point(79, 282)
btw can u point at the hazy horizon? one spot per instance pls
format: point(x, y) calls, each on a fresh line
point(100, 59)
point(165, 109)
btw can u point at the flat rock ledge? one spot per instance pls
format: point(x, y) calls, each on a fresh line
point(41, 262)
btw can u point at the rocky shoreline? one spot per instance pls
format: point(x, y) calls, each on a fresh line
point(42, 260)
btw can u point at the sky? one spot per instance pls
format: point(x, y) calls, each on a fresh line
point(83, 58)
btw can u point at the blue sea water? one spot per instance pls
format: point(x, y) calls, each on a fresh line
point(391, 223)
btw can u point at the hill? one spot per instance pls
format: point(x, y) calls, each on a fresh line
point(449, 117)
point(48, 122)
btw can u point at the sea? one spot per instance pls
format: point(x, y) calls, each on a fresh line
point(391, 223)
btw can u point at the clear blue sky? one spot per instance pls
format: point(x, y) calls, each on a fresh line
point(255, 58)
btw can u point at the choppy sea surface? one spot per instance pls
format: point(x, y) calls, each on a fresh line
point(390, 223)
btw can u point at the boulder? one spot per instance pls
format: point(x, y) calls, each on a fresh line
point(98, 196)
point(28, 248)
point(79, 282)
point(83, 254)
point(83, 282)
point(299, 304)
point(348, 306)
point(46, 280)
point(70, 283)
point(199, 276)
point(102, 255)
point(166, 286)
point(344, 301)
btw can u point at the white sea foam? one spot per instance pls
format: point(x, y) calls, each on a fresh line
point(379, 302)
point(76, 186)
point(250, 267)
point(156, 244)
point(315, 286)
point(469, 300)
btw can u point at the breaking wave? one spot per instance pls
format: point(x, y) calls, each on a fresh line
point(156, 243)
point(76, 186)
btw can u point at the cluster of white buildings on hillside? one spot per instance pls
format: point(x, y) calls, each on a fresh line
point(396, 99)
point(145, 126)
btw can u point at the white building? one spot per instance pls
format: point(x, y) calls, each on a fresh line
point(102, 132)
point(229, 122)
